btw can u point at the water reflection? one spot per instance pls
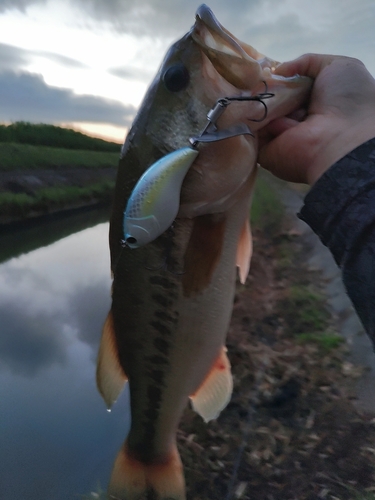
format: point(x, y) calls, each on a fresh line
point(27, 236)
point(57, 439)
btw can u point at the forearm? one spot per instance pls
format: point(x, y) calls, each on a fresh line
point(340, 208)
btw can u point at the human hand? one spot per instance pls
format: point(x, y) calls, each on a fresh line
point(339, 116)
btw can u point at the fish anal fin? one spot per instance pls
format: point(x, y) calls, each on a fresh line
point(215, 392)
point(244, 251)
point(203, 252)
point(110, 377)
point(131, 479)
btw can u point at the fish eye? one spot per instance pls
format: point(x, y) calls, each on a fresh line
point(131, 240)
point(176, 77)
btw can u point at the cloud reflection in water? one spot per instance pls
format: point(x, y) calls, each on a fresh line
point(57, 440)
point(53, 297)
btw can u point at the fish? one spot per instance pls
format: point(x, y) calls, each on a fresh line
point(172, 297)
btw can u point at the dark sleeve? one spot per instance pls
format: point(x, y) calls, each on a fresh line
point(340, 209)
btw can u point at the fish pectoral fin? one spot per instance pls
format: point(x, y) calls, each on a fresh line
point(110, 377)
point(215, 392)
point(244, 251)
point(131, 479)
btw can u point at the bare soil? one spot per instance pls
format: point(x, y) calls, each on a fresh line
point(33, 181)
point(291, 430)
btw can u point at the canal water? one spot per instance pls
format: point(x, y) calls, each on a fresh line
point(57, 441)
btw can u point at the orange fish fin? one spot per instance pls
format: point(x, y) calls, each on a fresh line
point(215, 392)
point(131, 479)
point(244, 251)
point(203, 252)
point(110, 377)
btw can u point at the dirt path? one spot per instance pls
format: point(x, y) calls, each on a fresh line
point(293, 430)
point(319, 258)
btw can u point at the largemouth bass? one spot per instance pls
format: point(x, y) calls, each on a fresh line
point(172, 297)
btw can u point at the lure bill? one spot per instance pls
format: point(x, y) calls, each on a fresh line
point(154, 202)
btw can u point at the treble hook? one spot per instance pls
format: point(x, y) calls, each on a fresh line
point(258, 98)
point(210, 132)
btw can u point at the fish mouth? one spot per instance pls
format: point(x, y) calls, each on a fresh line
point(239, 63)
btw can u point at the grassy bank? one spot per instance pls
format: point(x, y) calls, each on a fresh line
point(22, 205)
point(41, 134)
point(44, 169)
point(24, 157)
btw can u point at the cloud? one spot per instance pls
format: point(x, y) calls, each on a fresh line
point(32, 341)
point(27, 97)
point(60, 59)
point(132, 73)
point(12, 58)
point(164, 18)
point(17, 4)
point(89, 306)
point(29, 342)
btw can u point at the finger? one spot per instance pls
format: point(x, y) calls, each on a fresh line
point(282, 157)
point(280, 125)
point(307, 65)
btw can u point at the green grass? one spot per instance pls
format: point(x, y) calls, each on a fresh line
point(356, 495)
point(308, 318)
point(24, 157)
point(326, 341)
point(307, 308)
point(366, 496)
point(41, 134)
point(304, 308)
point(52, 198)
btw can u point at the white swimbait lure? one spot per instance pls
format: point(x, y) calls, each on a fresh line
point(155, 200)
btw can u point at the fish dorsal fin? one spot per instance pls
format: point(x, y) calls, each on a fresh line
point(110, 377)
point(244, 251)
point(215, 392)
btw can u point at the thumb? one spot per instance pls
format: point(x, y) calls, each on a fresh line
point(307, 65)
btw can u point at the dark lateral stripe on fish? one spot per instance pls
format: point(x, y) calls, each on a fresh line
point(167, 316)
point(163, 282)
point(157, 360)
point(157, 376)
point(154, 394)
point(162, 345)
point(162, 300)
point(161, 328)
point(203, 252)
point(149, 418)
point(146, 425)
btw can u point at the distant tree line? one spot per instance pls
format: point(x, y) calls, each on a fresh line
point(49, 135)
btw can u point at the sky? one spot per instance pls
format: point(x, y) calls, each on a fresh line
point(87, 64)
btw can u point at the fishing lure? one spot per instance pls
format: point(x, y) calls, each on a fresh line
point(154, 202)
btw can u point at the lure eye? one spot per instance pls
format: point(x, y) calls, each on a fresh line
point(130, 240)
point(176, 77)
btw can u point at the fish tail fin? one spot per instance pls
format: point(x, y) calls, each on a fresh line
point(132, 479)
